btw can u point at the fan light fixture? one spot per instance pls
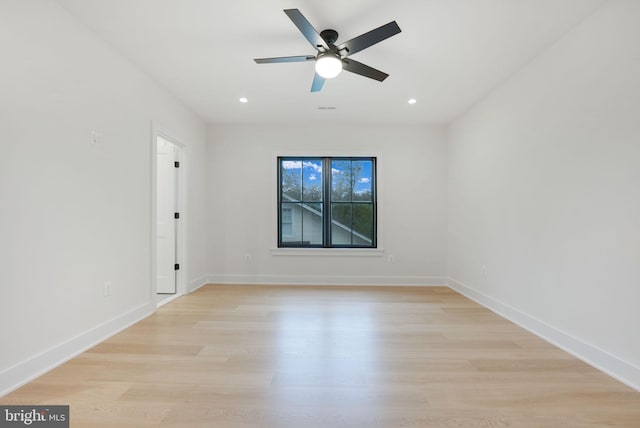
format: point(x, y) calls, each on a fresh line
point(328, 65)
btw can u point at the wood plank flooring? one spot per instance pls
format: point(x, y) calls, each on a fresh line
point(300, 357)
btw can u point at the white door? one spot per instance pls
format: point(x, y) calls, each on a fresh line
point(167, 223)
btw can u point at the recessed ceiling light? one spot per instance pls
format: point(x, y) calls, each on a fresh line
point(412, 101)
point(243, 100)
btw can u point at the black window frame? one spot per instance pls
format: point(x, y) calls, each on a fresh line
point(327, 203)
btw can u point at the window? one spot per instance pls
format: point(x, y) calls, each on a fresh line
point(327, 202)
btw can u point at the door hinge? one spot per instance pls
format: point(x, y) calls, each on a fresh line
point(176, 164)
point(176, 267)
point(176, 215)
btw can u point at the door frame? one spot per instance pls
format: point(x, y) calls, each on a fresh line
point(181, 253)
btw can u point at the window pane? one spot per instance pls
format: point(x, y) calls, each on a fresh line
point(286, 215)
point(290, 224)
point(341, 224)
point(341, 180)
point(312, 180)
point(363, 180)
point(363, 224)
point(312, 224)
point(291, 176)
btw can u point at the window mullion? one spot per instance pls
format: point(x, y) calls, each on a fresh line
point(302, 202)
point(326, 202)
point(352, 186)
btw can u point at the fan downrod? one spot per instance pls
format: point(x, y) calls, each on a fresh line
point(330, 36)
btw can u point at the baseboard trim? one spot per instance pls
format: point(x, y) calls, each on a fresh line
point(197, 283)
point(167, 300)
point(24, 372)
point(607, 363)
point(345, 280)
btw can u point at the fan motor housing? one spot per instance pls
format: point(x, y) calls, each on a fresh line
point(330, 36)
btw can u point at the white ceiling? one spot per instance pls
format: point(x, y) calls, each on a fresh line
point(449, 55)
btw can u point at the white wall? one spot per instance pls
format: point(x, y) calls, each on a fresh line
point(411, 202)
point(544, 179)
point(75, 215)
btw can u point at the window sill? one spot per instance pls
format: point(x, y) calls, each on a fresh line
point(331, 252)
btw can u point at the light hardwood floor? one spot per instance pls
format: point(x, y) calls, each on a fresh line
point(299, 357)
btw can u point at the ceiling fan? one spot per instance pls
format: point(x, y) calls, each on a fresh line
point(331, 59)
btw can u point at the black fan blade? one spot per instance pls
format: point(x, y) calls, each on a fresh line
point(299, 58)
point(318, 83)
point(306, 29)
point(363, 70)
point(365, 40)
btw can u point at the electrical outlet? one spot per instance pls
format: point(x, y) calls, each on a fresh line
point(247, 257)
point(107, 289)
point(391, 259)
point(484, 270)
